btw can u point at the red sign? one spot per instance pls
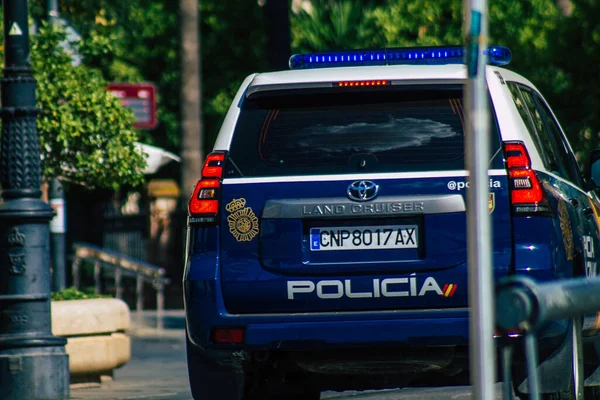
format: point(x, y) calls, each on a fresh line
point(141, 99)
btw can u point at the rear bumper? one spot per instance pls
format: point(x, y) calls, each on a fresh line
point(441, 330)
point(440, 327)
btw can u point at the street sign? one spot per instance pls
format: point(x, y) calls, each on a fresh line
point(141, 99)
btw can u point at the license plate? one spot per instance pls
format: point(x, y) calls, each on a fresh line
point(364, 238)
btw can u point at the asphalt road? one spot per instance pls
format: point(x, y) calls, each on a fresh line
point(157, 370)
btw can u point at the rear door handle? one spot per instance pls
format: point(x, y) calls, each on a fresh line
point(588, 212)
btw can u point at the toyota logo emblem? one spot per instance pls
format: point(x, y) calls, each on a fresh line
point(362, 190)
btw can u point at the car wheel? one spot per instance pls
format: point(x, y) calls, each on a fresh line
point(209, 381)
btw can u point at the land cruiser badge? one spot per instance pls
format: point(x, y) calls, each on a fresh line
point(243, 224)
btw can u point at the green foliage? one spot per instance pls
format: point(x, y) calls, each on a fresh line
point(329, 26)
point(141, 41)
point(576, 91)
point(233, 43)
point(142, 44)
point(72, 293)
point(414, 23)
point(145, 42)
point(86, 135)
point(557, 53)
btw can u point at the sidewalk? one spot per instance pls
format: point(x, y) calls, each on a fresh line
point(158, 367)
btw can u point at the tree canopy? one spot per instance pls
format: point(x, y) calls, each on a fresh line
point(144, 38)
point(556, 52)
point(141, 42)
point(86, 135)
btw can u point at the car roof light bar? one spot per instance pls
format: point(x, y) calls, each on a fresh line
point(437, 55)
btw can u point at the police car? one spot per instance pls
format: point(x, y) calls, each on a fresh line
point(326, 245)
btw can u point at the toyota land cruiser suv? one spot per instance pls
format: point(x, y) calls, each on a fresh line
point(326, 245)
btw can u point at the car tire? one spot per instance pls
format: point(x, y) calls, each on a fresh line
point(209, 381)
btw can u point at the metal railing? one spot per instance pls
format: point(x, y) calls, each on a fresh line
point(525, 305)
point(121, 266)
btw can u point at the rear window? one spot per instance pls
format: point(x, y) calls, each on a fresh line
point(337, 131)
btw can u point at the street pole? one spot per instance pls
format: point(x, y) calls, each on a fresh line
point(58, 247)
point(52, 10)
point(56, 198)
point(482, 355)
point(33, 362)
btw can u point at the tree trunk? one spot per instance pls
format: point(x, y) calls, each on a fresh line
point(277, 27)
point(191, 106)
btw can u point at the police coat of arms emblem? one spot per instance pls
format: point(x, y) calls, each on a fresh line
point(565, 227)
point(243, 224)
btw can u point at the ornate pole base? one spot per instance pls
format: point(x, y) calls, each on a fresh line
point(33, 362)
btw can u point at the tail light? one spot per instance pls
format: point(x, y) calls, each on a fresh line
point(228, 335)
point(204, 203)
point(526, 192)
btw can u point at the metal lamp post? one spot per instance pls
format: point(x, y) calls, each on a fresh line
point(33, 362)
point(479, 233)
point(56, 198)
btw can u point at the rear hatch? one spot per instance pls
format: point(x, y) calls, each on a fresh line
point(352, 198)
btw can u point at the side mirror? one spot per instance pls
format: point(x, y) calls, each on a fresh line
point(593, 168)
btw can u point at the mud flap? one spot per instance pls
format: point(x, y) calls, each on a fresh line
point(214, 377)
point(593, 372)
point(554, 372)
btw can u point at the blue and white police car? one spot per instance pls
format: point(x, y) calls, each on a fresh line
point(326, 245)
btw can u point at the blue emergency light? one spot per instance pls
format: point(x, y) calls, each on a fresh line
point(437, 55)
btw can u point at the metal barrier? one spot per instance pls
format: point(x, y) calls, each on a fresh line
point(122, 266)
point(524, 305)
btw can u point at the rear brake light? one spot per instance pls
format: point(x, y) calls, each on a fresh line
point(228, 335)
point(204, 203)
point(363, 83)
point(527, 194)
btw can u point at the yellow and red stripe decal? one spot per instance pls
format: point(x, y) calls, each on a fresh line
point(449, 289)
